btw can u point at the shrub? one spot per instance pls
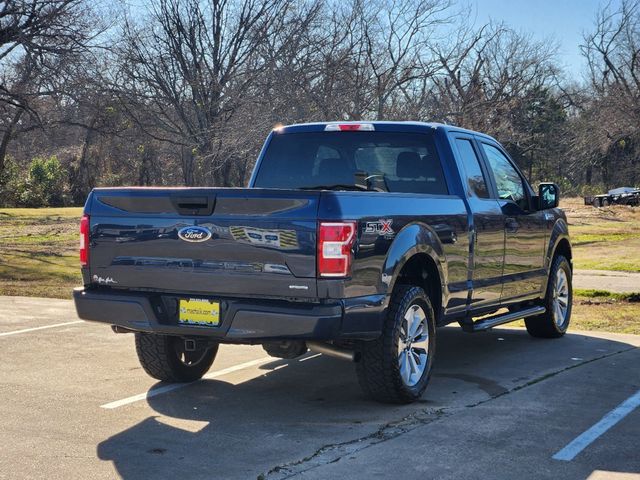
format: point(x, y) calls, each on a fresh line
point(45, 184)
point(10, 184)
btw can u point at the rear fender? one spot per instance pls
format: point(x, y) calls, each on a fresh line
point(414, 239)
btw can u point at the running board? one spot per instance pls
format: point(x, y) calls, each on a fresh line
point(487, 323)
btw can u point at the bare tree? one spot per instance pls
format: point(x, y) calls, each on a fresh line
point(396, 36)
point(187, 67)
point(612, 52)
point(186, 89)
point(34, 37)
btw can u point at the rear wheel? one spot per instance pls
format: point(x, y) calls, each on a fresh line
point(558, 301)
point(605, 202)
point(396, 367)
point(165, 357)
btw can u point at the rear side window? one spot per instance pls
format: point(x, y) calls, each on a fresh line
point(475, 178)
point(393, 161)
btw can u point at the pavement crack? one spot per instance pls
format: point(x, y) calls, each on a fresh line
point(549, 375)
point(332, 453)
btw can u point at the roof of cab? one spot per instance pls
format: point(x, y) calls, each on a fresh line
point(384, 126)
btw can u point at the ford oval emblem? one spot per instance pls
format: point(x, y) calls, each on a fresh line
point(194, 234)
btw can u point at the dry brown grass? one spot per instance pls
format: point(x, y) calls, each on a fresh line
point(604, 238)
point(39, 251)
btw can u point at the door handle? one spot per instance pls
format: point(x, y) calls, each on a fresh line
point(511, 225)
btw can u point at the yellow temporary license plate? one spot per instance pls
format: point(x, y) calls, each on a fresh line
point(199, 311)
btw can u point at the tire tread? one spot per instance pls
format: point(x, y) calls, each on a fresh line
point(377, 374)
point(544, 326)
point(156, 356)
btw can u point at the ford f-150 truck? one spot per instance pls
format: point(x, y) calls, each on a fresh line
point(353, 239)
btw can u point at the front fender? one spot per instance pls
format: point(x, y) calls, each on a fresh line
point(560, 231)
point(415, 238)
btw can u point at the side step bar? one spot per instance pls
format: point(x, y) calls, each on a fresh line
point(487, 323)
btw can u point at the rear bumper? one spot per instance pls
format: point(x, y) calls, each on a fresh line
point(242, 320)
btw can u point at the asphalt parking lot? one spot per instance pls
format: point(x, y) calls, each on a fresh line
point(75, 403)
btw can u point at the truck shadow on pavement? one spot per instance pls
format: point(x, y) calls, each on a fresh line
point(216, 429)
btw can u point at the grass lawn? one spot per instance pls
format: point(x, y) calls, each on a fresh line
point(607, 315)
point(39, 257)
point(39, 251)
point(604, 238)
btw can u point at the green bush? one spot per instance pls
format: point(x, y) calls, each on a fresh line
point(10, 182)
point(45, 184)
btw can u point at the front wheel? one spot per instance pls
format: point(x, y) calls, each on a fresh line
point(558, 302)
point(396, 367)
point(165, 357)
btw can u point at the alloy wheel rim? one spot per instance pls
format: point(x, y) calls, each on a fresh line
point(560, 298)
point(413, 345)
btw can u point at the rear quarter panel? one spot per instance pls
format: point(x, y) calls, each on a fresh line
point(433, 224)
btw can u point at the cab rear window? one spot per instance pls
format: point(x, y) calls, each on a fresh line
point(391, 161)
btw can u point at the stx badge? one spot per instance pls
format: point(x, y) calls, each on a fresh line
point(381, 227)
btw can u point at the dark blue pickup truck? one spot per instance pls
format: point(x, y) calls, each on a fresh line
point(355, 240)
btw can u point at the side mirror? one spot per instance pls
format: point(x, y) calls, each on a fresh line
point(548, 195)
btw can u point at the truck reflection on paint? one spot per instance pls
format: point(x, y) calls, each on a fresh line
point(282, 239)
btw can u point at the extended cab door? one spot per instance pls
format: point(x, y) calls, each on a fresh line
point(487, 224)
point(524, 225)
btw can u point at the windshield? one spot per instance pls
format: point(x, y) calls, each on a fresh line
point(388, 161)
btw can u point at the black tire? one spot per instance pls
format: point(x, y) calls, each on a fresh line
point(596, 203)
point(605, 202)
point(379, 371)
point(163, 357)
point(545, 325)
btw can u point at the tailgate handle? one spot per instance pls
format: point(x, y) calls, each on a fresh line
point(194, 205)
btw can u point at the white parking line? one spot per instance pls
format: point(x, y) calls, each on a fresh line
point(582, 441)
point(26, 330)
point(309, 357)
point(174, 386)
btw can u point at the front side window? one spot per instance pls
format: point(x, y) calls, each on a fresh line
point(508, 180)
point(389, 161)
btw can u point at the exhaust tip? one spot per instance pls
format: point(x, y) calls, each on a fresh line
point(333, 351)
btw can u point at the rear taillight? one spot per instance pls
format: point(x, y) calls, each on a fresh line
point(84, 240)
point(335, 240)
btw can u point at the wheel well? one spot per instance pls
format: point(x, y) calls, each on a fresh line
point(563, 248)
point(421, 271)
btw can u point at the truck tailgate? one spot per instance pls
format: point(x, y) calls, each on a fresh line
point(248, 241)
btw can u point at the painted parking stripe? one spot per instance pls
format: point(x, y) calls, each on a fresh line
point(581, 442)
point(309, 357)
point(154, 392)
point(26, 330)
